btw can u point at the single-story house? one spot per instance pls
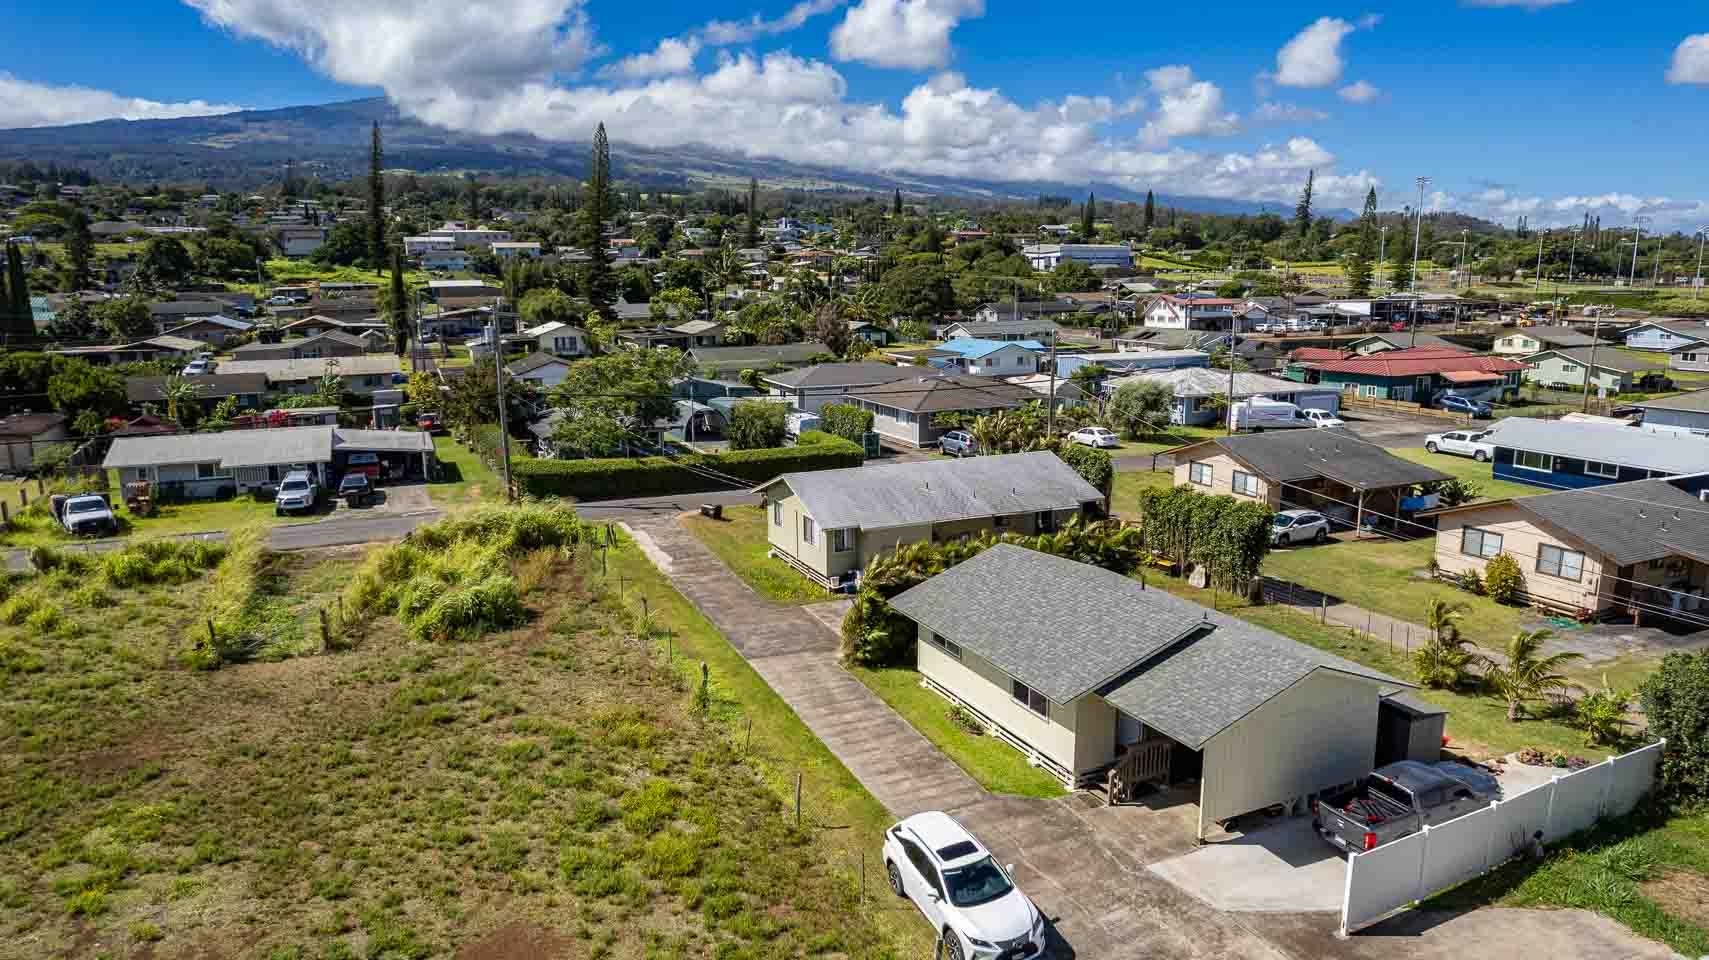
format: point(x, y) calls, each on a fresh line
point(1416, 374)
point(1687, 410)
point(733, 360)
point(1563, 369)
point(1524, 343)
point(1411, 340)
point(232, 462)
point(363, 374)
point(871, 332)
point(1083, 669)
point(1035, 314)
point(163, 347)
point(987, 358)
point(1331, 471)
point(1638, 548)
point(687, 335)
point(905, 411)
point(170, 313)
point(449, 260)
point(1036, 328)
point(809, 388)
point(22, 434)
point(215, 330)
point(539, 368)
point(317, 347)
point(452, 294)
point(317, 324)
point(1562, 454)
point(1689, 356)
point(1666, 334)
point(830, 523)
point(559, 339)
point(1132, 361)
point(1194, 386)
point(513, 249)
point(248, 388)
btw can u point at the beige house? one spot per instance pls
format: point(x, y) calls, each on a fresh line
point(1638, 549)
point(1330, 471)
point(1094, 673)
point(829, 523)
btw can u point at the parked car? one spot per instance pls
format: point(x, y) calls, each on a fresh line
point(1322, 418)
point(298, 491)
point(1466, 443)
point(1259, 413)
point(933, 861)
point(355, 489)
point(1095, 437)
point(1298, 526)
point(1471, 408)
point(958, 443)
point(86, 515)
point(1397, 801)
point(198, 367)
point(430, 422)
point(364, 463)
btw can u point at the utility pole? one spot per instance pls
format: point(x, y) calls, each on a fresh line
point(1233, 331)
point(498, 371)
point(1050, 412)
point(1590, 368)
point(1637, 238)
point(1537, 281)
point(1417, 231)
point(1697, 285)
point(1572, 255)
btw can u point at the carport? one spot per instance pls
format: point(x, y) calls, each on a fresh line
point(404, 454)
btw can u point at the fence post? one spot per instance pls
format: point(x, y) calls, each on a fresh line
point(213, 638)
point(1391, 638)
point(798, 798)
point(1489, 835)
point(23, 498)
point(748, 735)
point(1418, 890)
point(323, 630)
point(1368, 616)
point(1322, 608)
point(863, 877)
point(41, 490)
point(5, 517)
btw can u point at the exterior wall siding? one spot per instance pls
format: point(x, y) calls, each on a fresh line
point(1561, 371)
point(1651, 338)
point(1568, 473)
point(1521, 538)
point(986, 689)
point(1695, 420)
point(786, 537)
point(1691, 359)
point(1223, 468)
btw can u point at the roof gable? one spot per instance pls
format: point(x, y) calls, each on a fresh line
point(938, 491)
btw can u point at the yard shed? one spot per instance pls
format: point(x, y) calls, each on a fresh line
point(1086, 671)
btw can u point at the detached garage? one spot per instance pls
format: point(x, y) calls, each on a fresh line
point(1104, 682)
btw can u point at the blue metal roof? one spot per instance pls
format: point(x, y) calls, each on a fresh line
point(974, 348)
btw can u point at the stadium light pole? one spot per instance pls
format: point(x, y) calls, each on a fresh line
point(1697, 284)
point(1637, 238)
point(1417, 231)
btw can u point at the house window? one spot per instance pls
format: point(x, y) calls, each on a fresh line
point(1245, 484)
point(1200, 473)
point(1688, 357)
point(1526, 460)
point(806, 529)
point(1044, 521)
point(1479, 543)
point(1598, 468)
point(1368, 390)
point(208, 471)
point(563, 345)
point(1021, 361)
point(947, 646)
point(1557, 562)
point(842, 541)
point(1030, 698)
point(777, 513)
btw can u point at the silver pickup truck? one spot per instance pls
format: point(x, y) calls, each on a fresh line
point(1398, 800)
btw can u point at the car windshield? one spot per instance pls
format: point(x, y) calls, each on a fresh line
point(294, 486)
point(979, 882)
point(84, 506)
point(1282, 521)
point(355, 480)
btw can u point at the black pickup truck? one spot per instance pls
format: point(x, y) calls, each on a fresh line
point(1397, 800)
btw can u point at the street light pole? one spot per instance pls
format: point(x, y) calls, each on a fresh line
point(1417, 231)
point(1637, 238)
point(1697, 284)
point(1537, 281)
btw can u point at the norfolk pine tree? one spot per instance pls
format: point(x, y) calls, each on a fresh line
point(376, 202)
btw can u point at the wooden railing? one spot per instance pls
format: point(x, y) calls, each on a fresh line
point(1144, 762)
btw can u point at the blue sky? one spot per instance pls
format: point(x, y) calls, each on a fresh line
point(1542, 107)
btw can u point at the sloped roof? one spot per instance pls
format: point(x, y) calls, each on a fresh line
point(1418, 360)
point(975, 347)
point(1649, 448)
point(940, 392)
point(759, 354)
point(1697, 401)
point(259, 448)
point(152, 389)
point(1563, 339)
point(1605, 358)
point(533, 362)
point(1333, 453)
point(938, 491)
point(1186, 670)
point(308, 369)
point(840, 375)
point(1205, 382)
point(1629, 522)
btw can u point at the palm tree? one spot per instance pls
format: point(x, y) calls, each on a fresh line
point(178, 390)
point(1526, 676)
point(1443, 619)
point(1447, 659)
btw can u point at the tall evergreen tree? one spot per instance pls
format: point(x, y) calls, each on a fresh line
point(79, 252)
point(1365, 252)
point(399, 303)
point(1088, 217)
point(376, 201)
point(472, 199)
point(1150, 211)
point(600, 285)
point(896, 203)
point(1302, 210)
point(20, 324)
point(752, 237)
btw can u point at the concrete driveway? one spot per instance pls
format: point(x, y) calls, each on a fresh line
point(1284, 867)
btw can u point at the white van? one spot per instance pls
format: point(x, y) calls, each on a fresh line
point(1261, 414)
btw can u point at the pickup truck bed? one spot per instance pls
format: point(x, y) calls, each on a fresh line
point(1398, 800)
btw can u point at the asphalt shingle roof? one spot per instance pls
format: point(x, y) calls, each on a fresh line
point(1649, 448)
point(532, 362)
point(1629, 522)
point(259, 448)
point(840, 375)
point(1697, 401)
point(1205, 382)
point(939, 392)
point(939, 491)
point(1334, 453)
point(310, 369)
point(1605, 358)
point(977, 347)
point(1181, 668)
point(760, 354)
point(152, 389)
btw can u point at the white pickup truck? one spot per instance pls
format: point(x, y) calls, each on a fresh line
point(85, 515)
point(1466, 443)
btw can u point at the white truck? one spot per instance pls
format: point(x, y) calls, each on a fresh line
point(85, 515)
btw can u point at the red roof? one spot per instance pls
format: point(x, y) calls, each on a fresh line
point(1306, 354)
point(1417, 360)
point(1469, 376)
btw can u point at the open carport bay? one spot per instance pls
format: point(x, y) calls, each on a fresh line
point(1282, 867)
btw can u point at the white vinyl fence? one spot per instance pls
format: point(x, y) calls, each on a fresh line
point(1381, 881)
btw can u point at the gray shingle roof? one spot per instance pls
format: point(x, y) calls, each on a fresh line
point(259, 448)
point(1205, 382)
point(152, 389)
point(1629, 522)
point(1697, 401)
point(929, 491)
point(387, 441)
point(758, 355)
point(928, 392)
point(1012, 328)
point(1606, 358)
point(1333, 453)
point(841, 375)
point(532, 362)
point(1564, 339)
point(276, 370)
point(1649, 448)
point(1181, 668)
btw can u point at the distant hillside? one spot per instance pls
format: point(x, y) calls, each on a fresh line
point(240, 150)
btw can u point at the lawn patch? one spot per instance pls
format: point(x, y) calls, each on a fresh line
point(740, 541)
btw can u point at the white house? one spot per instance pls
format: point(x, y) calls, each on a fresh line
point(445, 260)
point(200, 465)
point(559, 339)
point(472, 238)
point(431, 243)
point(514, 249)
point(987, 358)
point(1170, 312)
point(541, 369)
point(1046, 256)
point(300, 241)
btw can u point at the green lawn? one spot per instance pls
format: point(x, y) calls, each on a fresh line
point(474, 481)
point(740, 541)
point(37, 528)
point(997, 766)
point(1124, 496)
point(1465, 468)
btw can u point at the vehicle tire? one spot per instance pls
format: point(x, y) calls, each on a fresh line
point(952, 945)
point(1430, 447)
point(895, 878)
point(1479, 456)
point(1321, 536)
point(278, 512)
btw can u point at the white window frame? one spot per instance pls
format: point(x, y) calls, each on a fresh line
point(1560, 564)
point(1602, 468)
point(1368, 390)
point(1027, 697)
point(1519, 455)
point(777, 513)
point(1245, 484)
point(807, 528)
point(213, 471)
point(842, 540)
point(1484, 537)
point(1195, 467)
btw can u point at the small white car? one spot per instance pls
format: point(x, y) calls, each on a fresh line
point(1466, 443)
point(198, 367)
point(932, 860)
point(1298, 526)
point(1095, 437)
point(1322, 418)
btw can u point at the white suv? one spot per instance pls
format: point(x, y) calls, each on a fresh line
point(297, 491)
point(970, 900)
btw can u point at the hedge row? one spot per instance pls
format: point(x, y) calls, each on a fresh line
point(658, 476)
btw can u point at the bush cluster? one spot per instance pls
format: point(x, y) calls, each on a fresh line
point(657, 476)
point(846, 420)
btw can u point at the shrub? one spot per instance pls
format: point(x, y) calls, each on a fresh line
point(1503, 580)
point(1455, 492)
point(1093, 465)
point(808, 437)
point(757, 425)
point(230, 604)
point(1601, 714)
point(657, 476)
point(160, 561)
point(846, 420)
point(1471, 583)
point(1676, 703)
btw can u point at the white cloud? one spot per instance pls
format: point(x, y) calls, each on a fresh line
point(1690, 60)
point(1271, 111)
point(1532, 5)
point(727, 32)
point(1186, 107)
point(1313, 57)
point(26, 104)
point(779, 77)
point(1369, 21)
point(671, 56)
point(1170, 78)
point(1359, 91)
point(912, 34)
